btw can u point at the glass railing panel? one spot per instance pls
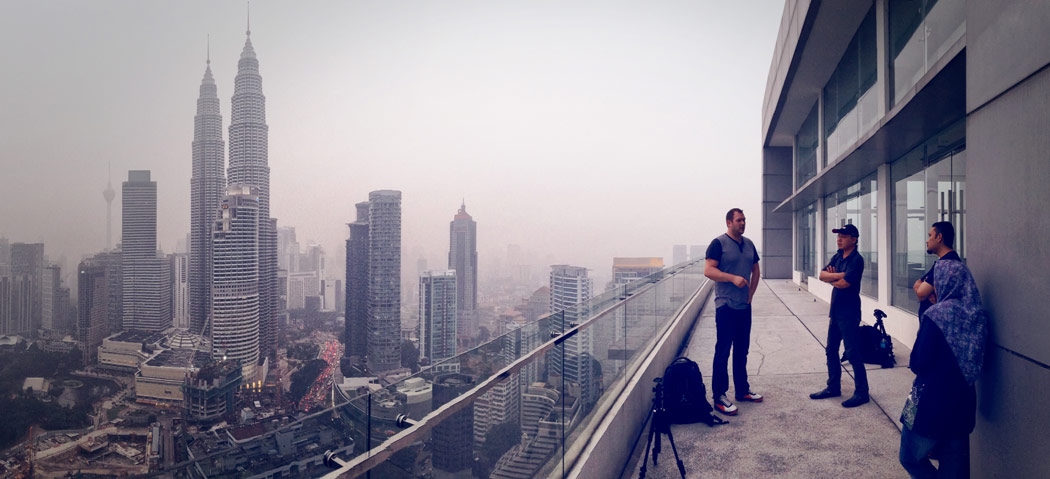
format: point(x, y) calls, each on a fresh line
point(554, 392)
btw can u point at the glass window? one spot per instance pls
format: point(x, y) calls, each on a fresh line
point(857, 204)
point(806, 154)
point(921, 32)
point(806, 254)
point(929, 185)
point(850, 102)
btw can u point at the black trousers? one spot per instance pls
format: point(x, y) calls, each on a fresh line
point(733, 331)
point(847, 331)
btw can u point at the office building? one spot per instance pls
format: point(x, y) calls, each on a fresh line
point(249, 166)
point(384, 280)
point(437, 319)
point(235, 328)
point(357, 285)
point(27, 276)
point(463, 259)
point(207, 184)
point(893, 115)
point(180, 290)
point(92, 308)
point(570, 290)
point(146, 276)
point(679, 254)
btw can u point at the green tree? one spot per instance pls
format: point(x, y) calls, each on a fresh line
point(409, 356)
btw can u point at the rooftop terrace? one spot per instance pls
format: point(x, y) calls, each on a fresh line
point(789, 435)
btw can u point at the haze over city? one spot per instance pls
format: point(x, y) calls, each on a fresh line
point(578, 131)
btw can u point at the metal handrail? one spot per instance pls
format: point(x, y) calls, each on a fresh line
point(375, 456)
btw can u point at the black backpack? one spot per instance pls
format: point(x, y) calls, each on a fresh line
point(876, 347)
point(685, 396)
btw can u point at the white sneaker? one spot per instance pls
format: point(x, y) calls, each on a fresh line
point(723, 406)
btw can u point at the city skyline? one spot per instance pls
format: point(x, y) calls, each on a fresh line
point(335, 116)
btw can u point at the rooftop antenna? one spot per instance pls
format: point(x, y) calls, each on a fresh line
point(249, 31)
point(209, 49)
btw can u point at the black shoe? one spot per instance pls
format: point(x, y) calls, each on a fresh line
point(856, 400)
point(826, 393)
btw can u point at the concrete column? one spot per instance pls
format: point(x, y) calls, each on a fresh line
point(882, 45)
point(777, 171)
point(884, 226)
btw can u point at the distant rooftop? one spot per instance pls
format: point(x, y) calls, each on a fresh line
point(179, 358)
point(135, 336)
point(654, 262)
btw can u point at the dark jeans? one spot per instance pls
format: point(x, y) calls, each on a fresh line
point(847, 331)
point(952, 454)
point(733, 329)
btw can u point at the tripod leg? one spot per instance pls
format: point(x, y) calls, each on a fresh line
point(681, 465)
point(658, 425)
point(648, 442)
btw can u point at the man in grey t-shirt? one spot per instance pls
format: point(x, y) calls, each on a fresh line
point(732, 261)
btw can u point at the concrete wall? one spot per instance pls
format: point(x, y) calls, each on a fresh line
point(776, 227)
point(1008, 105)
point(623, 425)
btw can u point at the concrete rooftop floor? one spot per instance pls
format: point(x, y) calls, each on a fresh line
point(789, 435)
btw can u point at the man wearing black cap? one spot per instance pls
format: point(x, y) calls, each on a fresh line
point(844, 273)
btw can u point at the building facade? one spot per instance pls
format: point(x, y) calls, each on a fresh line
point(570, 290)
point(249, 166)
point(357, 285)
point(235, 280)
point(207, 183)
point(180, 290)
point(27, 291)
point(146, 276)
point(893, 115)
point(92, 308)
point(437, 318)
point(463, 259)
point(384, 280)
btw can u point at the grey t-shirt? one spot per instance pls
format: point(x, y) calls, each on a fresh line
point(733, 258)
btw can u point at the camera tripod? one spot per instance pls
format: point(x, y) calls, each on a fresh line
point(658, 426)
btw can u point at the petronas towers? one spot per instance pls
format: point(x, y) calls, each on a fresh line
point(248, 174)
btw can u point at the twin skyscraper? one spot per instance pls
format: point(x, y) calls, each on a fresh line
point(233, 239)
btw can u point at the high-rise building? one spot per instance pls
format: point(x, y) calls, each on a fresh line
point(249, 166)
point(499, 405)
point(696, 252)
point(92, 308)
point(5, 250)
point(27, 274)
point(357, 285)
point(111, 261)
point(235, 280)
point(53, 304)
point(6, 299)
point(463, 259)
point(896, 115)
point(627, 270)
point(180, 286)
point(437, 318)
point(384, 280)
point(570, 290)
point(108, 194)
point(679, 254)
point(146, 276)
point(207, 184)
point(453, 456)
point(287, 249)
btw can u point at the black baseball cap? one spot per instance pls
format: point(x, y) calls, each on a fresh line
point(847, 229)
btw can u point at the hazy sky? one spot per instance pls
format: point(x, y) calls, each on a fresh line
point(582, 130)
